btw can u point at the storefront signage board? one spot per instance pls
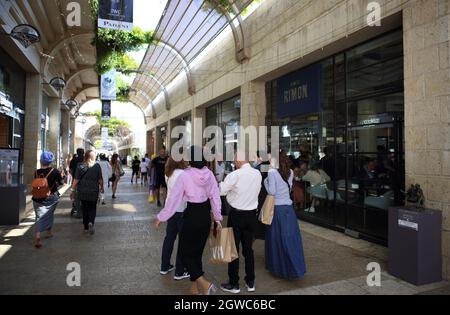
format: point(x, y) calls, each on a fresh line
point(109, 86)
point(106, 110)
point(299, 93)
point(115, 14)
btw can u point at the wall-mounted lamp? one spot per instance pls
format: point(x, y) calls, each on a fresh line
point(25, 34)
point(71, 103)
point(58, 83)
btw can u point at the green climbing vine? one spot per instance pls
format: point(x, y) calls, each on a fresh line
point(227, 5)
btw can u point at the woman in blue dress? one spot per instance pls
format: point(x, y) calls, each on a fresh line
point(284, 248)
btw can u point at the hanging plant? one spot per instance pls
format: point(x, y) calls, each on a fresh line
point(112, 45)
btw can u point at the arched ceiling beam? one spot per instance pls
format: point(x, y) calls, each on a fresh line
point(56, 47)
point(186, 68)
point(161, 86)
point(238, 31)
point(151, 105)
point(84, 89)
point(79, 71)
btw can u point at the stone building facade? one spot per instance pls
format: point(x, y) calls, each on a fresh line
point(282, 36)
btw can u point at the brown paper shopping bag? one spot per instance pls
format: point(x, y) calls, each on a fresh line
point(266, 214)
point(222, 246)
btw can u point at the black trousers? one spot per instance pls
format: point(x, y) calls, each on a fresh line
point(89, 209)
point(174, 226)
point(244, 226)
point(193, 237)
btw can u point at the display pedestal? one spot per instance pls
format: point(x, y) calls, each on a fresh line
point(415, 245)
point(13, 205)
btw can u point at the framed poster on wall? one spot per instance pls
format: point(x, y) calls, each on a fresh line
point(9, 167)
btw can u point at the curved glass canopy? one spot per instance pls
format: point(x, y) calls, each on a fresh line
point(186, 28)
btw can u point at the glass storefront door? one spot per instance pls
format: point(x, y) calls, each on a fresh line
point(355, 139)
point(226, 115)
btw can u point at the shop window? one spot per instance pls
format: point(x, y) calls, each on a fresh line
point(12, 80)
point(356, 138)
point(227, 116)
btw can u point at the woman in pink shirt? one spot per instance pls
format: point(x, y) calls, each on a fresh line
point(198, 187)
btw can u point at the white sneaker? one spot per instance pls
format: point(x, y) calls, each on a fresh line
point(183, 276)
point(91, 229)
point(250, 287)
point(164, 272)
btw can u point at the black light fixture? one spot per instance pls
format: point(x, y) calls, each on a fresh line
point(25, 34)
point(58, 83)
point(71, 103)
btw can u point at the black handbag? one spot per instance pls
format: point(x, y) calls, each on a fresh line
point(226, 208)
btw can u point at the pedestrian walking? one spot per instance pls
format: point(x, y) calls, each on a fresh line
point(136, 168)
point(241, 189)
point(66, 166)
point(45, 196)
point(88, 184)
point(173, 171)
point(283, 246)
point(76, 160)
point(159, 164)
point(197, 186)
point(262, 164)
point(118, 172)
point(106, 174)
point(144, 172)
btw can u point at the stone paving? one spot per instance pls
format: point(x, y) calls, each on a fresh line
point(123, 257)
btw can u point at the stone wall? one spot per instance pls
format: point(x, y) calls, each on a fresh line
point(427, 105)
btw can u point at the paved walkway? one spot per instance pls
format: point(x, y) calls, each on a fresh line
point(124, 257)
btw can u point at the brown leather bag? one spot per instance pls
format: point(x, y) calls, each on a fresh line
point(40, 187)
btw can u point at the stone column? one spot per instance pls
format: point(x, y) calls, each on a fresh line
point(158, 140)
point(72, 124)
point(169, 142)
point(65, 124)
point(427, 106)
point(253, 114)
point(150, 142)
point(54, 112)
point(253, 104)
point(32, 137)
point(198, 125)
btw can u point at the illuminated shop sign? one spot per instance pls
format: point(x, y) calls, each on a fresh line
point(6, 105)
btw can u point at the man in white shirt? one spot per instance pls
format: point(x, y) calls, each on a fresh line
point(242, 189)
